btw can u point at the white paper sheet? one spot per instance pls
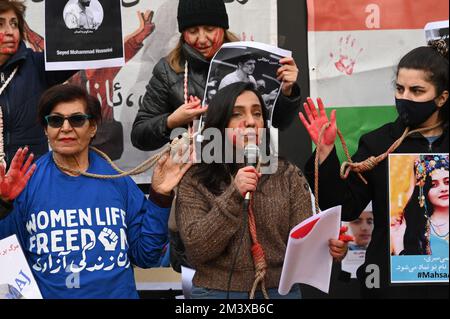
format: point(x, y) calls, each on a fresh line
point(307, 258)
point(15, 270)
point(187, 274)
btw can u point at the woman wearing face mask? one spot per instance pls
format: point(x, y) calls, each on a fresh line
point(204, 28)
point(422, 91)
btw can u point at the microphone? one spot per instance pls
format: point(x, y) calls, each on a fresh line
point(251, 157)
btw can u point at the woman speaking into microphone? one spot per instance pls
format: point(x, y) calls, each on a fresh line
point(237, 253)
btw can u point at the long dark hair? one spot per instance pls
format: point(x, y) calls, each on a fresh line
point(433, 59)
point(418, 210)
point(219, 113)
point(416, 237)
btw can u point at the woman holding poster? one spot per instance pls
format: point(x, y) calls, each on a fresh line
point(422, 92)
point(424, 230)
point(174, 93)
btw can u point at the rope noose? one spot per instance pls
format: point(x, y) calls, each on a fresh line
point(373, 161)
point(173, 148)
point(259, 259)
point(359, 167)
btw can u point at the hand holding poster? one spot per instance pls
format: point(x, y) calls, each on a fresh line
point(16, 278)
point(308, 258)
point(361, 230)
point(419, 231)
point(250, 62)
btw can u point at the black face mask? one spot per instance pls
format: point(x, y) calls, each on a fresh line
point(414, 113)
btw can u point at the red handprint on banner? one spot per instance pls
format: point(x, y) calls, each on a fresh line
point(348, 52)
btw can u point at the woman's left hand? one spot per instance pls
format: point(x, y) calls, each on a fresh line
point(170, 170)
point(13, 182)
point(288, 74)
point(339, 247)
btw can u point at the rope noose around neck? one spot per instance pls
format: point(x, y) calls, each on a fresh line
point(259, 259)
point(173, 147)
point(186, 139)
point(359, 167)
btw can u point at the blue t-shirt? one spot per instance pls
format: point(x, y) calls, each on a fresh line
point(82, 235)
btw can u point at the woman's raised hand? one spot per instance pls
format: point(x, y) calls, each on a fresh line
point(314, 122)
point(13, 182)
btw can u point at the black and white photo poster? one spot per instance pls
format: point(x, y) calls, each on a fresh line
point(247, 61)
point(83, 34)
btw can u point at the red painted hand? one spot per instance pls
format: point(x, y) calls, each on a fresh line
point(315, 121)
point(13, 183)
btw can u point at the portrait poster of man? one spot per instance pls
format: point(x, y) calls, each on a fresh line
point(82, 34)
point(418, 210)
point(247, 61)
point(361, 230)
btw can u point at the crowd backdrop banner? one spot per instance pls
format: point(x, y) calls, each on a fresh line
point(353, 48)
point(150, 31)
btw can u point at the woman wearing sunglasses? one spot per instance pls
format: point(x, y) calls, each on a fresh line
point(82, 232)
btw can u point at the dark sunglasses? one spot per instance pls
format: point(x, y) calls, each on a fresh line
point(76, 120)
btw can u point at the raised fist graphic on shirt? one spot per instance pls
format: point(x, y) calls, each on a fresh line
point(109, 239)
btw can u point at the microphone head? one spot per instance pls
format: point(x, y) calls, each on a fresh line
point(251, 155)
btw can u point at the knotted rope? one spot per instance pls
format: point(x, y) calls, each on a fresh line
point(359, 167)
point(259, 259)
point(373, 161)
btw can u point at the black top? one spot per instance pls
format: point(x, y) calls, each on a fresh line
point(354, 195)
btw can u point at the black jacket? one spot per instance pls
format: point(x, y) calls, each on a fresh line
point(165, 93)
point(20, 99)
point(354, 195)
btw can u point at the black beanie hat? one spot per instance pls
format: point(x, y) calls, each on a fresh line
point(193, 13)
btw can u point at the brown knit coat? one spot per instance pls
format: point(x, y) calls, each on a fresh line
point(211, 226)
